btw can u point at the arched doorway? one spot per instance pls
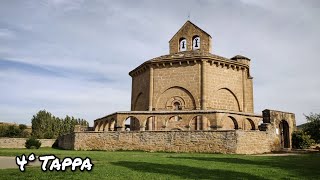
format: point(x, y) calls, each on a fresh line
point(284, 134)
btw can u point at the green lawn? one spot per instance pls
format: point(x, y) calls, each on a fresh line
point(143, 165)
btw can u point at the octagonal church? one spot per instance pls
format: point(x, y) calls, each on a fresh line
point(191, 89)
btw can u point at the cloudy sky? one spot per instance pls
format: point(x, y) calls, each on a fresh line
point(73, 56)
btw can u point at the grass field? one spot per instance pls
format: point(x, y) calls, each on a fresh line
point(143, 165)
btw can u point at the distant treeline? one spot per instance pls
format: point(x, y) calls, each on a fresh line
point(13, 130)
point(45, 125)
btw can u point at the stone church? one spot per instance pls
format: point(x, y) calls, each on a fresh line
point(190, 90)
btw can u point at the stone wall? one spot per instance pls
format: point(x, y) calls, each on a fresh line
point(179, 83)
point(140, 91)
point(67, 141)
point(228, 88)
point(188, 31)
point(20, 142)
point(231, 141)
point(257, 142)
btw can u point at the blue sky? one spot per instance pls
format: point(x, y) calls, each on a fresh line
point(73, 57)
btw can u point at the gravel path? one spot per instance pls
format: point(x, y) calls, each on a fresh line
point(10, 162)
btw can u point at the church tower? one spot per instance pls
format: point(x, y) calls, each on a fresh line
point(190, 37)
point(191, 78)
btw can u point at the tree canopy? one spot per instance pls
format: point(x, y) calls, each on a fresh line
point(46, 125)
point(312, 127)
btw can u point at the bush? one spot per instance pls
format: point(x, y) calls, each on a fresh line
point(25, 134)
point(300, 140)
point(22, 127)
point(13, 131)
point(3, 130)
point(33, 143)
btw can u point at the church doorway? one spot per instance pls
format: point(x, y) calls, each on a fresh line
point(284, 134)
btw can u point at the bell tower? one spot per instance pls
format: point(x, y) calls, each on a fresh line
point(190, 37)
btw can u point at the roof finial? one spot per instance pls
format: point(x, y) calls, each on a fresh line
point(189, 15)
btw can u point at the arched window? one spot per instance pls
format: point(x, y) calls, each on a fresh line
point(195, 42)
point(183, 44)
point(176, 106)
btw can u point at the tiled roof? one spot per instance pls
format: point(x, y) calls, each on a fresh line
point(187, 54)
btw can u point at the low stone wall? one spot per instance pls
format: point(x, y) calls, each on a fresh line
point(229, 141)
point(67, 141)
point(257, 142)
point(20, 142)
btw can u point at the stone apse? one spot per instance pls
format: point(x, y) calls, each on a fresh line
point(192, 90)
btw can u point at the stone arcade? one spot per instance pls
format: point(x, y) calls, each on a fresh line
point(190, 101)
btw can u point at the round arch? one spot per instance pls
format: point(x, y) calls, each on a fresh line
point(134, 123)
point(284, 134)
point(230, 123)
point(138, 105)
point(196, 42)
point(221, 92)
point(100, 126)
point(186, 97)
point(105, 126)
point(249, 124)
point(196, 123)
point(182, 44)
point(150, 123)
point(112, 125)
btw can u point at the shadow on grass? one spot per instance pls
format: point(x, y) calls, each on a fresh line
point(184, 171)
point(305, 165)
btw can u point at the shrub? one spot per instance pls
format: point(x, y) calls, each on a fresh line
point(13, 131)
point(300, 140)
point(25, 134)
point(3, 130)
point(32, 143)
point(22, 127)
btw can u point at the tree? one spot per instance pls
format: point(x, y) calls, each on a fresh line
point(301, 140)
point(312, 126)
point(45, 125)
point(40, 123)
point(13, 131)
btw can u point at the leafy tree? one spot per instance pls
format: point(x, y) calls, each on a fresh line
point(312, 126)
point(40, 123)
point(45, 125)
point(300, 140)
point(14, 131)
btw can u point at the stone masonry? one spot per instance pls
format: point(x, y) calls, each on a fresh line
point(221, 141)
